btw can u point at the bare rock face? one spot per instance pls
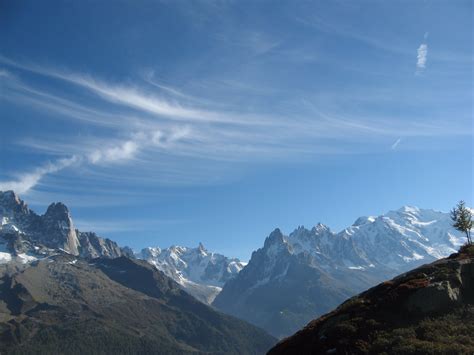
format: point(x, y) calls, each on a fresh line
point(93, 246)
point(437, 296)
point(59, 229)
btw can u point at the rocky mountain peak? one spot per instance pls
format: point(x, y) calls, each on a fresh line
point(147, 253)
point(303, 240)
point(408, 209)
point(320, 228)
point(363, 220)
point(9, 197)
point(58, 211)
point(10, 201)
point(202, 249)
point(275, 237)
point(59, 229)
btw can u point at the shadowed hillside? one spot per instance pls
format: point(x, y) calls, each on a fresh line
point(427, 310)
point(65, 304)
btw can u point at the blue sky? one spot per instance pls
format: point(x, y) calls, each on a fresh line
point(173, 122)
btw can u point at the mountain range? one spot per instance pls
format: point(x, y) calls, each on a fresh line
point(26, 236)
point(65, 291)
point(297, 277)
point(289, 281)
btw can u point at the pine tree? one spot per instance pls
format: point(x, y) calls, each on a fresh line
point(462, 219)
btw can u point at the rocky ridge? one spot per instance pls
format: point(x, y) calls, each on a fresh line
point(27, 236)
point(427, 310)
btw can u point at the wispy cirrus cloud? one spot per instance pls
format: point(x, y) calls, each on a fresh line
point(137, 98)
point(164, 137)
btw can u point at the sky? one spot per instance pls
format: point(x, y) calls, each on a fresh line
point(177, 122)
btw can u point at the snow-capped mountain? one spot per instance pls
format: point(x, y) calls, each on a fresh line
point(26, 236)
point(295, 278)
point(404, 238)
point(397, 240)
point(200, 272)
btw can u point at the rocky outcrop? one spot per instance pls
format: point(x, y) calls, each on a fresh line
point(26, 236)
point(433, 297)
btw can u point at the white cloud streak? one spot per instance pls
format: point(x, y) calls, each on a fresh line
point(422, 57)
point(26, 181)
point(396, 143)
point(393, 45)
point(125, 151)
point(133, 97)
point(121, 152)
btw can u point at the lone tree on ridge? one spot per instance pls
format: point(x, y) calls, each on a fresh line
point(462, 219)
